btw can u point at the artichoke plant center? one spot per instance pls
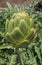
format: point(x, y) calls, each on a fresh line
point(18, 28)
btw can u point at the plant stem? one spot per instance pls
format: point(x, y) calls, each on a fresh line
point(19, 56)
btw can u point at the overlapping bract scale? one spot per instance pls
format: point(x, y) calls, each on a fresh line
point(18, 27)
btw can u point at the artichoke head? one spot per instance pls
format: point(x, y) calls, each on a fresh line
point(18, 28)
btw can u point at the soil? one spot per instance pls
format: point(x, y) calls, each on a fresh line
point(3, 2)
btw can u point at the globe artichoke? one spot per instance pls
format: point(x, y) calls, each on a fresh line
point(18, 28)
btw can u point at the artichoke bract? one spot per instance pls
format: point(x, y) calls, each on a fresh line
point(18, 28)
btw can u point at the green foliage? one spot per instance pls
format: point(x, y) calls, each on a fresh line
point(31, 55)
